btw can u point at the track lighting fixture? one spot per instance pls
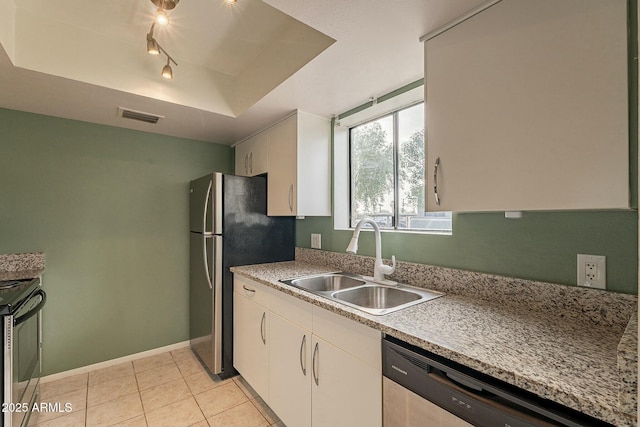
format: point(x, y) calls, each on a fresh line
point(154, 48)
point(161, 18)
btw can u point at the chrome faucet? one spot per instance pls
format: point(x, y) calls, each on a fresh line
point(380, 269)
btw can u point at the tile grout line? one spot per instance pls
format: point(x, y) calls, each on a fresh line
point(86, 404)
point(196, 400)
point(236, 380)
point(135, 376)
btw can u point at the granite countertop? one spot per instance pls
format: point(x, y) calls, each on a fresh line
point(21, 266)
point(564, 358)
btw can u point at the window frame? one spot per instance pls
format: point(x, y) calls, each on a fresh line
point(394, 114)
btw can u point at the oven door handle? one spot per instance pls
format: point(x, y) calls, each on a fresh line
point(32, 312)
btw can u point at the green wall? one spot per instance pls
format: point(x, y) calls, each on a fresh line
point(539, 246)
point(109, 207)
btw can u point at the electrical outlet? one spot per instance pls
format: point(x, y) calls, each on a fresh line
point(592, 271)
point(316, 241)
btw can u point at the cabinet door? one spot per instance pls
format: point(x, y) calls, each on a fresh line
point(251, 344)
point(526, 108)
point(345, 391)
point(242, 158)
point(251, 156)
point(282, 185)
point(258, 159)
point(290, 372)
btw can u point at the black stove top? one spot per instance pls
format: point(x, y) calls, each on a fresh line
point(12, 292)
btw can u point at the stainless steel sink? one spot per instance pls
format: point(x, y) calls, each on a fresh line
point(376, 296)
point(327, 282)
point(362, 293)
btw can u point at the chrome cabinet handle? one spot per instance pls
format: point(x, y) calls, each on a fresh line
point(251, 163)
point(246, 164)
point(303, 344)
point(248, 289)
point(262, 331)
point(435, 182)
point(291, 198)
point(316, 379)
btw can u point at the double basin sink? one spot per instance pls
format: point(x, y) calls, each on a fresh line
point(362, 293)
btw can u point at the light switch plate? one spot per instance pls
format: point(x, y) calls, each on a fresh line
point(316, 241)
point(592, 271)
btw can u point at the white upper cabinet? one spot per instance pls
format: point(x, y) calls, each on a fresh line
point(296, 155)
point(299, 176)
point(527, 108)
point(251, 156)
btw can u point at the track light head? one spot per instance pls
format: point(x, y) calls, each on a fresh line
point(167, 72)
point(161, 17)
point(152, 46)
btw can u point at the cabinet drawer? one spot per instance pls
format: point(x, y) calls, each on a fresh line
point(254, 291)
point(355, 338)
point(293, 309)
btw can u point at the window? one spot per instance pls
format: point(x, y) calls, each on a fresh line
point(387, 173)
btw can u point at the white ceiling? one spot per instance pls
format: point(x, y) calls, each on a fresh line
point(376, 50)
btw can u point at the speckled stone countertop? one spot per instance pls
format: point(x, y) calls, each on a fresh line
point(21, 266)
point(575, 360)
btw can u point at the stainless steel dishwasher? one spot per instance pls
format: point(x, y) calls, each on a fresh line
point(421, 389)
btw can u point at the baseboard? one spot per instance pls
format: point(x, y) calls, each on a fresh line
point(113, 362)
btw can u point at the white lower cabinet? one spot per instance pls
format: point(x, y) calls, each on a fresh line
point(290, 372)
point(324, 370)
point(250, 335)
point(345, 391)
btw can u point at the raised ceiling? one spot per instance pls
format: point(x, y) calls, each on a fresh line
point(229, 56)
point(241, 67)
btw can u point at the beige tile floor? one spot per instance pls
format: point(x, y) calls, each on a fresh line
point(169, 389)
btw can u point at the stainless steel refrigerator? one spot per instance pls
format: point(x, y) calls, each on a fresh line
point(229, 226)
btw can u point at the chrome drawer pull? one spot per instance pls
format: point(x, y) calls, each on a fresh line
point(262, 331)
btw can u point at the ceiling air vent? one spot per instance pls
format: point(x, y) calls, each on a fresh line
point(138, 115)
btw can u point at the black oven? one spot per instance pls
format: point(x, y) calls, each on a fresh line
point(21, 309)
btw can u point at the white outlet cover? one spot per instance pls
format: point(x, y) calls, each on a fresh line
point(600, 280)
point(316, 241)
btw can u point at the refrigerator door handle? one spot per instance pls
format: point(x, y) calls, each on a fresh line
point(205, 255)
point(217, 306)
point(205, 209)
point(205, 235)
point(217, 203)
